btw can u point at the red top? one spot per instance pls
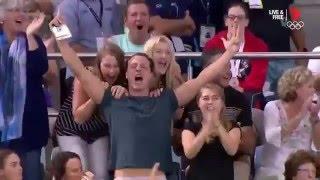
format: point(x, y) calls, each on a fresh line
point(256, 78)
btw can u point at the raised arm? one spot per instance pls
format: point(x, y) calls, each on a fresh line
point(92, 85)
point(187, 91)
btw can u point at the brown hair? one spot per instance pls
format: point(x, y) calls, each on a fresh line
point(131, 2)
point(112, 49)
point(59, 162)
point(4, 153)
point(297, 159)
point(244, 6)
point(212, 86)
point(291, 80)
point(142, 55)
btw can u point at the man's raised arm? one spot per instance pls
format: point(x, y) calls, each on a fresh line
point(187, 91)
point(93, 86)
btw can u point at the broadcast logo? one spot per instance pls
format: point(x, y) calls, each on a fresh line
point(282, 15)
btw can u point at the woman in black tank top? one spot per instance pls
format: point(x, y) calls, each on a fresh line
point(209, 140)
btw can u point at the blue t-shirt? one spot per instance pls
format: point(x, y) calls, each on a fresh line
point(140, 130)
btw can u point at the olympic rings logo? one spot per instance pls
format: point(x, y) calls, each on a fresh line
point(295, 25)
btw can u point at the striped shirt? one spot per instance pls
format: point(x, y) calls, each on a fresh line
point(89, 131)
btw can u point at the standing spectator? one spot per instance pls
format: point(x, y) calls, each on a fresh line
point(211, 141)
point(291, 123)
point(10, 165)
point(137, 19)
point(80, 127)
point(90, 21)
point(247, 76)
point(277, 39)
point(140, 125)
point(23, 104)
point(301, 165)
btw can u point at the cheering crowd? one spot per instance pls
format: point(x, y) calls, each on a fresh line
point(151, 116)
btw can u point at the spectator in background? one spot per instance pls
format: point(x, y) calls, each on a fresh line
point(67, 166)
point(172, 18)
point(208, 16)
point(90, 22)
point(301, 165)
point(277, 35)
point(23, 105)
point(211, 141)
point(248, 76)
point(291, 123)
point(137, 19)
point(167, 71)
point(10, 165)
point(80, 127)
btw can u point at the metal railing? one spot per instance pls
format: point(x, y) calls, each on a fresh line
point(197, 55)
point(243, 55)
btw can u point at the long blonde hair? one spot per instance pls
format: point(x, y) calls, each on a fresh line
point(173, 77)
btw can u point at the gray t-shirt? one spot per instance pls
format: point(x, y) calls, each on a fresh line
point(140, 130)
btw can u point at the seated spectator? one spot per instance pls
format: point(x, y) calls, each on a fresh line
point(314, 64)
point(67, 166)
point(237, 109)
point(10, 165)
point(247, 76)
point(137, 19)
point(301, 165)
point(291, 123)
point(23, 104)
point(79, 126)
point(211, 143)
point(134, 118)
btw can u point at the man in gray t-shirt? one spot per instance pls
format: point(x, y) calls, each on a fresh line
point(134, 146)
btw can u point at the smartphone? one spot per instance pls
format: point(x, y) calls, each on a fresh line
point(61, 32)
